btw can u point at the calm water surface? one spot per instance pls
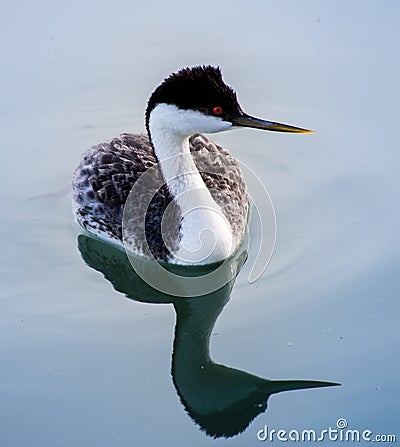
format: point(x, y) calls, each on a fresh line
point(81, 364)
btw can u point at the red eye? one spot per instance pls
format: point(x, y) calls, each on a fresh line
point(217, 110)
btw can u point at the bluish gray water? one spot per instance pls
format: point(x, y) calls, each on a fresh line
point(83, 365)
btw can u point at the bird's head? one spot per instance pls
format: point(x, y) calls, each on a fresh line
point(197, 99)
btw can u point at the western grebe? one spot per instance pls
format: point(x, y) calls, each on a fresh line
point(203, 187)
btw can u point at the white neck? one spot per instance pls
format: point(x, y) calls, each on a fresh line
point(206, 235)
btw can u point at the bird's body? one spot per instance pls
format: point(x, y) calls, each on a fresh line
point(108, 171)
point(197, 213)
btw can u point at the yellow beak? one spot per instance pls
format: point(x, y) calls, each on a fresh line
point(256, 123)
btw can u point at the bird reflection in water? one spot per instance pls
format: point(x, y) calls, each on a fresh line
point(221, 400)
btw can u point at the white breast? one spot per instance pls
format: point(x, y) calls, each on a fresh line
point(205, 234)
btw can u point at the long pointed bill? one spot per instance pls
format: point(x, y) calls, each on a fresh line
point(256, 123)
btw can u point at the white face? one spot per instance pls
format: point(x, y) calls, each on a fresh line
point(185, 122)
